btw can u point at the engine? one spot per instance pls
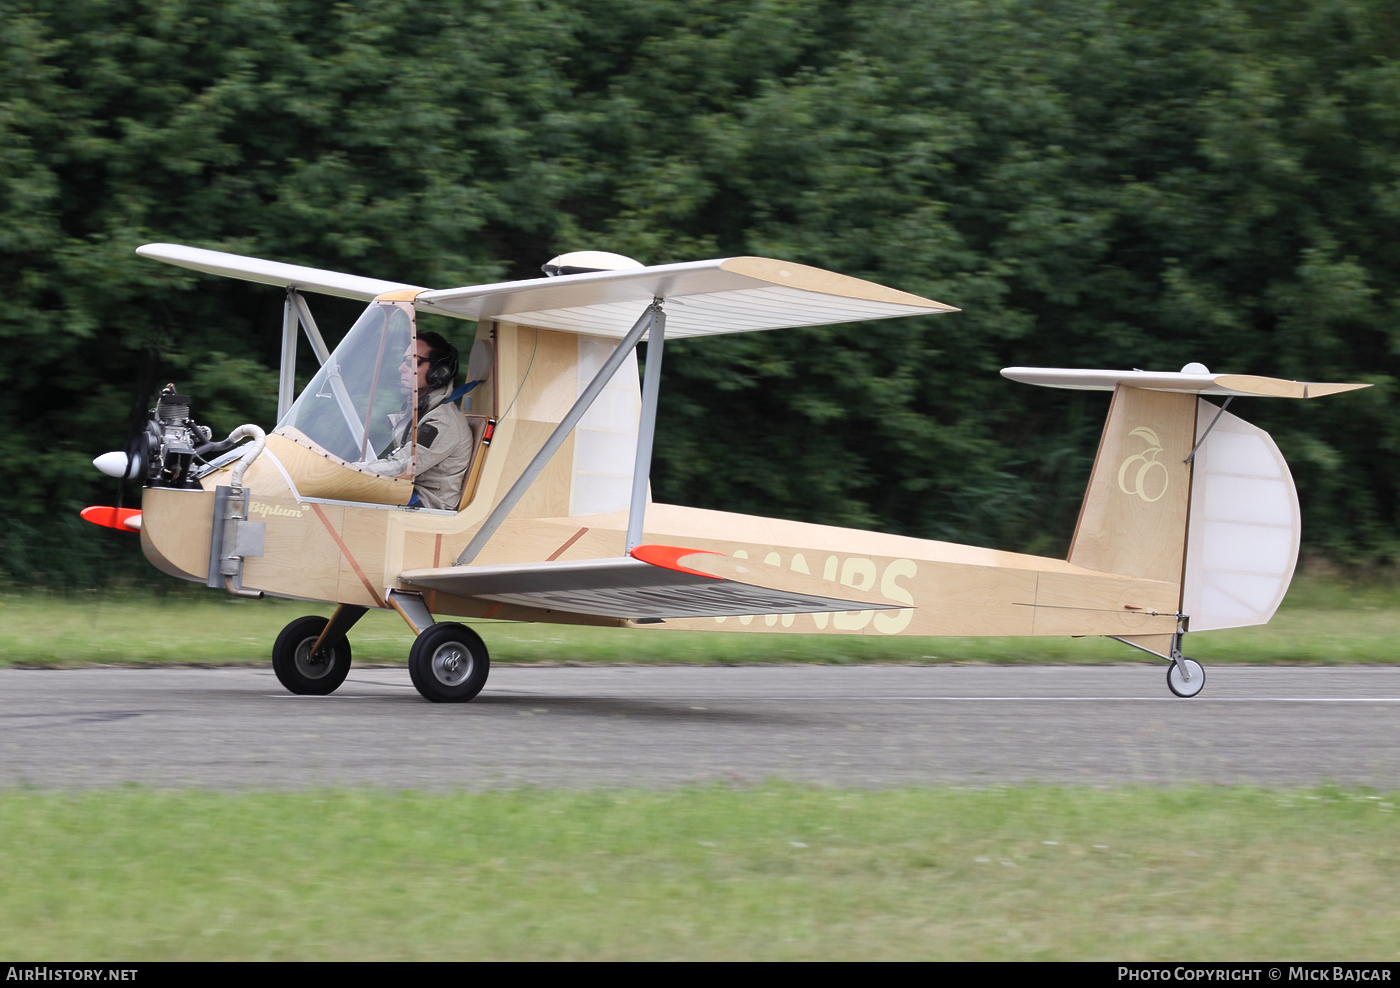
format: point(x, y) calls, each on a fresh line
point(172, 440)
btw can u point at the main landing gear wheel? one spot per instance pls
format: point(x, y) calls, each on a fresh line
point(1181, 686)
point(300, 671)
point(448, 663)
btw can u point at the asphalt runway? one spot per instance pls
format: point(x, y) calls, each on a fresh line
point(612, 726)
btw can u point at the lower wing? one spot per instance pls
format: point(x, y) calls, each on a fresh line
point(655, 582)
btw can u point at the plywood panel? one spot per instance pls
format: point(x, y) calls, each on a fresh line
point(528, 540)
point(363, 533)
point(1161, 644)
point(300, 558)
point(950, 600)
point(547, 362)
point(175, 531)
point(421, 550)
point(1088, 605)
point(548, 497)
point(1133, 520)
point(974, 601)
point(319, 474)
point(672, 524)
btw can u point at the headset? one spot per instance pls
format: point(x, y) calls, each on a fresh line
point(443, 369)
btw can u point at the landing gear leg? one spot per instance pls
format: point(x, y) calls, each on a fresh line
point(1185, 677)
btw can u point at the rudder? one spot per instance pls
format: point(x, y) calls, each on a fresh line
point(1245, 528)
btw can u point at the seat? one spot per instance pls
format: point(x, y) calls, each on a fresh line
point(477, 424)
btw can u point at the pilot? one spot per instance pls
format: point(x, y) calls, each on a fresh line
point(444, 439)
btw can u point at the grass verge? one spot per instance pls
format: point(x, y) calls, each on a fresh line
point(772, 872)
point(1321, 621)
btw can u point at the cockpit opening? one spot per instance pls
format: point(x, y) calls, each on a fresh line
point(381, 421)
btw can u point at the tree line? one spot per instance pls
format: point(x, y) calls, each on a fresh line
point(1095, 183)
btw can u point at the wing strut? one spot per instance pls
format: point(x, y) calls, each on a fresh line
point(295, 310)
point(287, 373)
point(562, 430)
point(646, 430)
point(313, 334)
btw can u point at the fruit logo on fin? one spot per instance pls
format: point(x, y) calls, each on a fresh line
point(1142, 480)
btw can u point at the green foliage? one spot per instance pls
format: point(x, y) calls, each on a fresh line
point(1094, 182)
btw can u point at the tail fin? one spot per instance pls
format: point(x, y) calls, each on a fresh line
point(1225, 527)
point(1134, 517)
point(1133, 520)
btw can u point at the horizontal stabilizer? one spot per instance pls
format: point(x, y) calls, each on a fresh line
point(1189, 381)
point(271, 272)
point(658, 582)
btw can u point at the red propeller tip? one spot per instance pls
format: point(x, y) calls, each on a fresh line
point(122, 519)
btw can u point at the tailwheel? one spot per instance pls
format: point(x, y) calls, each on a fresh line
point(1177, 681)
point(448, 663)
point(304, 672)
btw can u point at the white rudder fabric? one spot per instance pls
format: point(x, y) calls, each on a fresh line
point(1244, 531)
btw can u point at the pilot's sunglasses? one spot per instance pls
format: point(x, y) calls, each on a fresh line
point(421, 360)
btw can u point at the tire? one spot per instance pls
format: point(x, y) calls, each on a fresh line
point(448, 663)
point(1182, 688)
point(295, 667)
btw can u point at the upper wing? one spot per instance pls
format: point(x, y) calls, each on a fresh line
point(1203, 383)
point(271, 272)
point(727, 295)
point(658, 582)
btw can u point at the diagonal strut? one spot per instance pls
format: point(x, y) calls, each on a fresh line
point(560, 433)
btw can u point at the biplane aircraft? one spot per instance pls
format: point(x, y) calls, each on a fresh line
point(1190, 521)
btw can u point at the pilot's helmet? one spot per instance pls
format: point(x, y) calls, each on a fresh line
point(443, 369)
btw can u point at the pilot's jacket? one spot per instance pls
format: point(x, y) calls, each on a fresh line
point(444, 451)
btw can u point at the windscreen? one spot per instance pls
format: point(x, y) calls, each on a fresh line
point(357, 404)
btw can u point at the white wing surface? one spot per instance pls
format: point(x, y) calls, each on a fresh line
point(728, 295)
point(271, 272)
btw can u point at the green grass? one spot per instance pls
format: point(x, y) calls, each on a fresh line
point(771, 872)
point(1321, 621)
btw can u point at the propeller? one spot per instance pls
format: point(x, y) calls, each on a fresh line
point(131, 461)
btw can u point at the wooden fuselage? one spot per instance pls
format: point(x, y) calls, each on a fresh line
point(337, 550)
